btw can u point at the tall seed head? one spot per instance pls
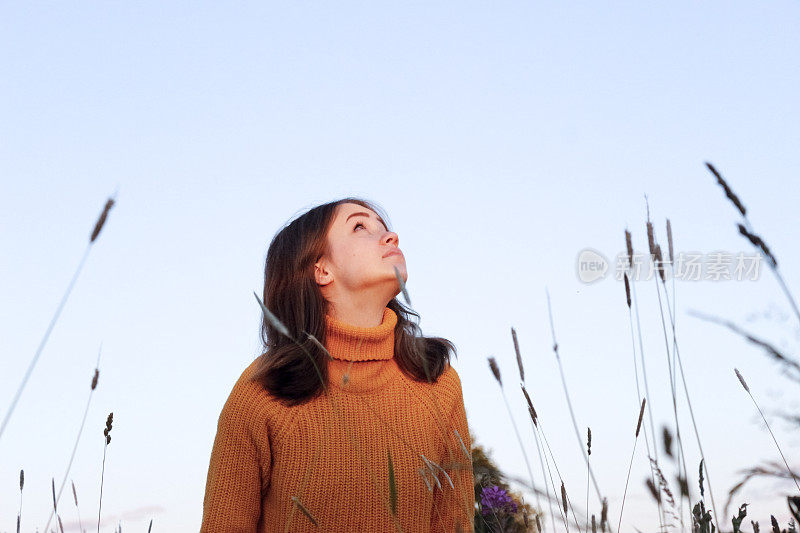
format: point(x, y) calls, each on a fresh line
point(669, 243)
point(95, 378)
point(271, 318)
point(651, 240)
point(702, 490)
point(653, 490)
point(107, 430)
point(519, 357)
point(627, 289)
point(728, 191)
point(102, 220)
point(604, 514)
point(589, 440)
point(660, 262)
point(531, 410)
point(564, 497)
point(641, 414)
point(629, 247)
point(495, 370)
point(757, 241)
point(667, 441)
point(741, 380)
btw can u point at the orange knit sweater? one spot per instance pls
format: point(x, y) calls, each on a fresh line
point(277, 468)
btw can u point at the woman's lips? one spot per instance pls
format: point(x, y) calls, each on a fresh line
point(393, 252)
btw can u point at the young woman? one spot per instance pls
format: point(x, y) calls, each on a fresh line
point(350, 420)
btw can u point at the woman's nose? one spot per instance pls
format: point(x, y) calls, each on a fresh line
point(391, 237)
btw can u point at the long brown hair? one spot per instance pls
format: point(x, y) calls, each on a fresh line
point(293, 296)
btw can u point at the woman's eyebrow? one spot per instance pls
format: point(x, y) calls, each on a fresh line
point(366, 215)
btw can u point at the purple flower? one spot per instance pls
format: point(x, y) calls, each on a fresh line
point(495, 499)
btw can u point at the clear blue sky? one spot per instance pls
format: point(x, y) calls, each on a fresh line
point(502, 139)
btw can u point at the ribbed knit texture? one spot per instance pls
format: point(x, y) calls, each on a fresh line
point(331, 454)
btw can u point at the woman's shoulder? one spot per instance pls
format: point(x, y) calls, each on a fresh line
point(449, 383)
point(248, 399)
point(446, 388)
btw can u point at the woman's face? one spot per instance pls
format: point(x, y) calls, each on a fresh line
point(358, 244)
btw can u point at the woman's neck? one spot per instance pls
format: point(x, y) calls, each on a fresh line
point(359, 314)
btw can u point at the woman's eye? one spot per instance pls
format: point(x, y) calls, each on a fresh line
point(359, 224)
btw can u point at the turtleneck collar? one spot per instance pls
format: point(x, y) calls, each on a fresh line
point(352, 343)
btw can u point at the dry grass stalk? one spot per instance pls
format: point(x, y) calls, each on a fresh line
point(638, 329)
point(392, 485)
point(75, 497)
point(794, 506)
point(664, 487)
point(21, 484)
point(95, 379)
point(496, 373)
point(107, 433)
point(630, 464)
point(771, 350)
point(433, 467)
point(673, 390)
point(463, 447)
point(589, 452)
point(402, 285)
point(746, 388)
point(756, 240)
point(534, 420)
point(566, 394)
point(305, 511)
point(55, 504)
point(53, 321)
point(651, 240)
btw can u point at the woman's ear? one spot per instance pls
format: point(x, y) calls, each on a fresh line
point(322, 275)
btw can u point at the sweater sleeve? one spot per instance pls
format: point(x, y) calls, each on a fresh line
point(232, 501)
point(454, 507)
